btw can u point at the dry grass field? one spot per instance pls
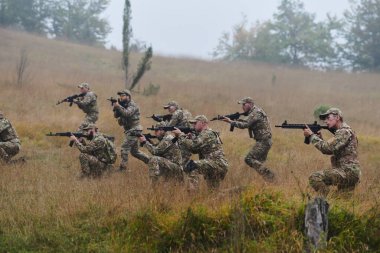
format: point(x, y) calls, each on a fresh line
point(45, 193)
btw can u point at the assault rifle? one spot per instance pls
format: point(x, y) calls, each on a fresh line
point(160, 118)
point(315, 127)
point(233, 116)
point(78, 135)
point(185, 130)
point(148, 137)
point(70, 99)
point(113, 100)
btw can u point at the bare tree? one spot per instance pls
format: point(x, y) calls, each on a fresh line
point(21, 68)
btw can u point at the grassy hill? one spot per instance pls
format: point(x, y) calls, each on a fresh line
point(45, 208)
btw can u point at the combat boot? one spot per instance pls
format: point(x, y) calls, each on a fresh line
point(267, 174)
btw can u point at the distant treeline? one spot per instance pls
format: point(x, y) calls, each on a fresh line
point(74, 20)
point(294, 37)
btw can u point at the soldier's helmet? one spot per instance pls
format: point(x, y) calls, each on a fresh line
point(246, 100)
point(171, 103)
point(89, 126)
point(124, 92)
point(84, 85)
point(332, 110)
point(201, 118)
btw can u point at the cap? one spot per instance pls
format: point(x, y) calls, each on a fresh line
point(84, 85)
point(201, 118)
point(171, 103)
point(332, 110)
point(89, 126)
point(124, 92)
point(160, 124)
point(245, 100)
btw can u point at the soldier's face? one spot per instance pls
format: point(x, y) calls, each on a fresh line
point(332, 121)
point(124, 98)
point(172, 108)
point(246, 107)
point(159, 133)
point(199, 125)
point(83, 90)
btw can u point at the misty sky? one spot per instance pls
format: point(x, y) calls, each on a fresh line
point(193, 27)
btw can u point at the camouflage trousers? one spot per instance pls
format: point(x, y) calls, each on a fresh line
point(162, 167)
point(257, 156)
point(92, 166)
point(131, 145)
point(8, 150)
point(344, 178)
point(185, 154)
point(90, 118)
point(213, 172)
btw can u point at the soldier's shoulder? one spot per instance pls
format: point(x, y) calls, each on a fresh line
point(344, 130)
point(168, 137)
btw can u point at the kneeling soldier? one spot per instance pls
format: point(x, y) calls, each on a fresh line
point(9, 141)
point(97, 154)
point(212, 163)
point(166, 160)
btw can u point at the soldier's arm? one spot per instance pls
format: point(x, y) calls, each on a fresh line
point(329, 147)
point(91, 146)
point(176, 119)
point(194, 144)
point(4, 124)
point(160, 149)
point(87, 100)
point(126, 112)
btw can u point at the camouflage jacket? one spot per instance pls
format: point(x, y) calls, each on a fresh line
point(96, 147)
point(257, 122)
point(7, 132)
point(343, 147)
point(180, 118)
point(88, 103)
point(128, 116)
point(207, 144)
point(166, 148)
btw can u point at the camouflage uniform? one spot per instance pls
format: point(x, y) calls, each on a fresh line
point(180, 118)
point(257, 123)
point(94, 158)
point(212, 163)
point(9, 141)
point(89, 106)
point(128, 117)
point(345, 171)
point(166, 160)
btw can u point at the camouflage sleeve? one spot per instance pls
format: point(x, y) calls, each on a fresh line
point(240, 124)
point(333, 145)
point(125, 112)
point(90, 147)
point(176, 118)
point(160, 148)
point(87, 100)
point(249, 122)
point(4, 124)
point(196, 144)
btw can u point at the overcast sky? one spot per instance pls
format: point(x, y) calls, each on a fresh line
point(193, 27)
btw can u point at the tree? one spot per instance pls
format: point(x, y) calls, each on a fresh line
point(362, 48)
point(145, 62)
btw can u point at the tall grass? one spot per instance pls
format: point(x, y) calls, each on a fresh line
point(43, 206)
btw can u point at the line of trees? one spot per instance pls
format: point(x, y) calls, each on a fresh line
point(294, 37)
point(75, 20)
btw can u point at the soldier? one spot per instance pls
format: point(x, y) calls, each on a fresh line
point(97, 154)
point(87, 104)
point(257, 123)
point(128, 115)
point(166, 160)
point(9, 141)
point(180, 118)
point(212, 163)
point(345, 171)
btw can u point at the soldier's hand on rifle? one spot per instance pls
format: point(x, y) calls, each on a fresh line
point(142, 139)
point(73, 138)
point(116, 104)
point(176, 132)
point(307, 131)
point(225, 119)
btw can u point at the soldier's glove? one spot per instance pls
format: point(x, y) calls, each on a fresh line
point(190, 166)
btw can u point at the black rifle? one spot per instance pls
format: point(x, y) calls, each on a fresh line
point(113, 100)
point(159, 118)
point(70, 99)
point(148, 137)
point(185, 130)
point(233, 116)
point(78, 135)
point(315, 127)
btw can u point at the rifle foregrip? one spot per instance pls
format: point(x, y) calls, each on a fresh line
point(232, 127)
point(307, 140)
point(71, 143)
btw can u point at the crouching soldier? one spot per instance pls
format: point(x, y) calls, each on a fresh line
point(9, 141)
point(212, 163)
point(166, 160)
point(97, 152)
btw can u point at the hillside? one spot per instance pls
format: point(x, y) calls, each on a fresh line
point(44, 207)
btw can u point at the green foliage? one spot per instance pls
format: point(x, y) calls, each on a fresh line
point(319, 110)
point(151, 90)
point(363, 37)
